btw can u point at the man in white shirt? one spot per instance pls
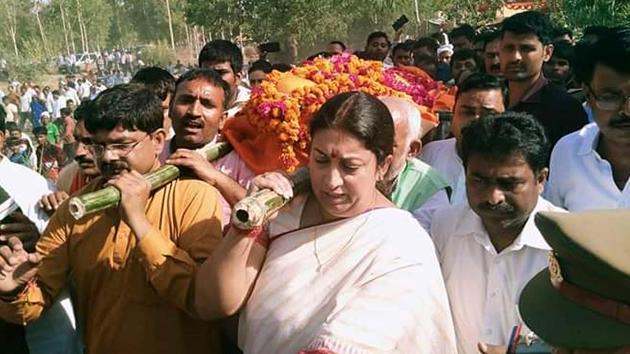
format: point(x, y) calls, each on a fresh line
point(590, 169)
point(226, 58)
point(58, 102)
point(25, 105)
point(11, 109)
point(489, 248)
point(71, 93)
point(478, 95)
point(55, 332)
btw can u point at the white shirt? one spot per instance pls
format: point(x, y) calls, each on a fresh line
point(25, 187)
point(85, 89)
point(12, 112)
point(483, 286)
point(25, 102)
point(57, 105)
point(442, 155)
point(579, 178)
point(242, 96)
point(71, 94)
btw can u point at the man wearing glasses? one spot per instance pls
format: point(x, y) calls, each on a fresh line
point(590, 169)
point(133, 268)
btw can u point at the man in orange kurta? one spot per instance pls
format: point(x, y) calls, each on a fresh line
point(133, 267)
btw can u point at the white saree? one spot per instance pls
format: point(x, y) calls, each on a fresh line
point(367, 284)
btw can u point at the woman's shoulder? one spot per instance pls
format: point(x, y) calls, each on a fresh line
point(398, 228)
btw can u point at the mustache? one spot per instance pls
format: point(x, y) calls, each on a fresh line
point(83, 159)
point(496, 67)
point(503, 208)
point(619, 120)
point(113, 167)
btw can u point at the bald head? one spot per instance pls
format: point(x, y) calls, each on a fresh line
point(405, 114)
point(407, 133)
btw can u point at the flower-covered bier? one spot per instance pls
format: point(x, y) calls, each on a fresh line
point(281, 107)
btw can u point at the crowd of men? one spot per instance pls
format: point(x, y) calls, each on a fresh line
point(541, 123)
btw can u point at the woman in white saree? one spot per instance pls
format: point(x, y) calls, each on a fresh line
point(345, 270)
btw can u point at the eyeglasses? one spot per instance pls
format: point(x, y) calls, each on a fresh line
point(609, 102)
point(121, 150)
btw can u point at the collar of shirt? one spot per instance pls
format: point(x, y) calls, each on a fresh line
point(533, 94)
point(591, 139)
point(471, 225)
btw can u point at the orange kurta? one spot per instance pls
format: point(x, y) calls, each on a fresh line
point(132, 297)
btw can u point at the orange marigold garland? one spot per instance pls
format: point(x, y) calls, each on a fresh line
point(285, 110)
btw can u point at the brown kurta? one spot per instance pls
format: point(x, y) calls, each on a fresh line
point(132, 297)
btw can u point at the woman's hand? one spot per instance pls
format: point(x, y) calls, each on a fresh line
point(276, 181)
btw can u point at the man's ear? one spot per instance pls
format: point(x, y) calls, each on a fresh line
point(223, 119)
point(414, 149)
point(159, 140)
point(541, 179)
point(547, 52)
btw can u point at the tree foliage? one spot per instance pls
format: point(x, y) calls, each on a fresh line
point(38, 30)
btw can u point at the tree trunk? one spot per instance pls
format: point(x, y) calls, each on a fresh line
point(80, 21)
point(41, 31)
point(65, 30)
point(13, 37)
point(170, 23)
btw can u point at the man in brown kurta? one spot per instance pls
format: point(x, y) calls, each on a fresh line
point(134, 272)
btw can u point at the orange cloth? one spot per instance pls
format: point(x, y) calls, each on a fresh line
point(131, 297)
point(255, 147)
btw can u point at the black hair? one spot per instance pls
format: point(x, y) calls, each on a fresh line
point(464, 54)
point(281, 67)
point(261, 65)
point(529, 22)
point(611, 49)
point(504, 134)
point(363, 116)
point(220, 50)
point(596, 30)
point(132, 106)
point(340, 43)
point(4, 125)
point(210, 76)
point(491, 36)
point(85, 109)
point(40, 131)
point(464, 30)
point(65, 112)
point(480, 81)
point(158, 80)
point(377, 34)
point(11, 126)
point(565, 51)
point(406, 47)
point(319, 55)
point(11, 141)
point(561, 31)
point(428, 42)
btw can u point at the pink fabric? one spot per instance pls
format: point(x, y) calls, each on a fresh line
point(232, 165)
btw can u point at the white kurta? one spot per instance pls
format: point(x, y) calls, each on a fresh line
point(368, 284)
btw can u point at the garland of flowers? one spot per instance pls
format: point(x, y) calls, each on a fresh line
point(286, 115)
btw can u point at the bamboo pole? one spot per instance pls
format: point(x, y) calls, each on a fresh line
point(109, 197)
point(256, 209)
